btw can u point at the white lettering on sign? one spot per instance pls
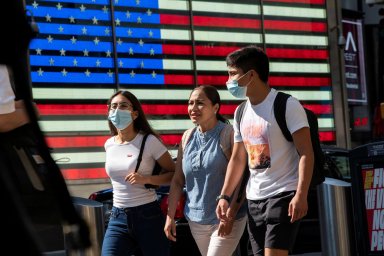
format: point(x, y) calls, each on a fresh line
point(378, 178)
point(351, 75)
point(377, 240)
point(350, 56)
point(380, 199)
point(350, 41)
point(378, 220)
point(352, 86)
point(370, 198)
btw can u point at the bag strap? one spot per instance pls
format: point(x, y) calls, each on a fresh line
point(246, 173)
point(239, 112)
point(279, 109)
point(226, 141)
point(141, 152)
point(186, 136)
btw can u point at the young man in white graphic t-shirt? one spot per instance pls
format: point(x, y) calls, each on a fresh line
point(280, 171)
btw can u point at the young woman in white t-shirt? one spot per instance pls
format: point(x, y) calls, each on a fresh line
point(136, 222)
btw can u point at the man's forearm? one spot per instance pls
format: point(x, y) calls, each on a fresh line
point(13, 120)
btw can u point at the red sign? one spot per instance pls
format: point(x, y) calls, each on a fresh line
point(373, 185)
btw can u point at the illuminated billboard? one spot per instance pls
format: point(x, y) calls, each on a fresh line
point(160, 50)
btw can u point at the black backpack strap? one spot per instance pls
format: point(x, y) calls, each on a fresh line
point(240, 111)
point(279, 108)
point(141, 152)
point(244, 180)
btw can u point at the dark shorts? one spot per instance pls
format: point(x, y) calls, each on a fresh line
point(269, 225)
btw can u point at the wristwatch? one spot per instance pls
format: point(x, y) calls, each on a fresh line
point(225, 197)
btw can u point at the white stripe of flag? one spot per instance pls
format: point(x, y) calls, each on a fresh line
point(159, 125)
point(251, 9)
point(156, 94)
point(242, 37)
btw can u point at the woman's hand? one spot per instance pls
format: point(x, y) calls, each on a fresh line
point(225, 228)
point(135, 178)
point(170, 229)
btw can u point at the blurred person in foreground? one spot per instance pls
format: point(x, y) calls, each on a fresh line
point(136, 222)
point(201, 168)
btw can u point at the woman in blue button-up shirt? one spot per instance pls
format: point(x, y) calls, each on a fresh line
point(201, 166)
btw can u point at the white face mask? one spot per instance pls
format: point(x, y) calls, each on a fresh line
point(121, 119)
point(236, 90)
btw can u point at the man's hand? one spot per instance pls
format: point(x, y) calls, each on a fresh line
point(221, 210)
point(298, 208)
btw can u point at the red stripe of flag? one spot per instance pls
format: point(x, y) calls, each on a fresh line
point(98, 141)
point(327, 136)
point(86, 173)
point(320, 109)
point(78, 109)
point(175, 79)
point(207, 21)
point(72, 109)
point(172, 19)
point(297, 53)
point(177, 49)
point(299, 81)
point(99, 173)
point(295, 25)
point(200, 50)
point(212, 80)
point(76, 142)
point(223, 51)
point(297, 1)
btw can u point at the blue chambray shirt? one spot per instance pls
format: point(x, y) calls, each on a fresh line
point(204, 168)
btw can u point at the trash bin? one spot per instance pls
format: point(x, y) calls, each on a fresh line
point(93, 214)
point(336, 218)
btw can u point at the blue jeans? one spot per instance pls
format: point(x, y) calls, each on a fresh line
point(136, 229)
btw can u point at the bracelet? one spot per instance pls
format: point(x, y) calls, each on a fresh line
point(225, 197)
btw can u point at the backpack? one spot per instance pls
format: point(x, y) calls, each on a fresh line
point(279, 109)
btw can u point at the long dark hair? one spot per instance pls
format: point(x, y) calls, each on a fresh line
point(214, 96)
point(140, 123)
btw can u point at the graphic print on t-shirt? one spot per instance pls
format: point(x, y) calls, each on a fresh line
point(255, 139)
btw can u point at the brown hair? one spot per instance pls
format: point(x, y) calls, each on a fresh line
point(250, 57)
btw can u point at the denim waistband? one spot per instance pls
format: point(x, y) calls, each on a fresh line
point(135, 208)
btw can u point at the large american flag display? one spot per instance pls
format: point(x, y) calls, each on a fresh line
point(160, 50)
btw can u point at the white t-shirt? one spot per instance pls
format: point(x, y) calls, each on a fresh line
point(121, 159)
point(7, 97)
point(273, 161)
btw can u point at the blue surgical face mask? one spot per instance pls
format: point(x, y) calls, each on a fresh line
point(236, 90)
point(121, 119)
